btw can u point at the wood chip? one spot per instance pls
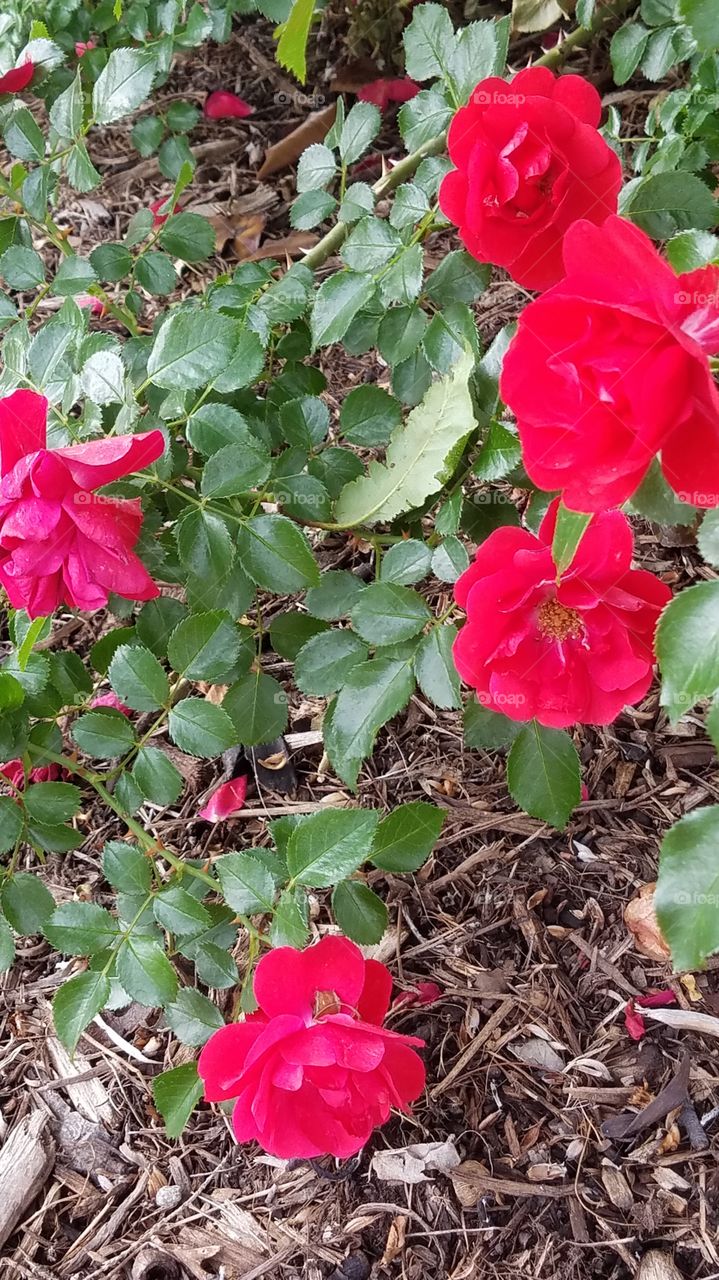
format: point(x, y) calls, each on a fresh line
point(26, 1160)
point(471, 1181)
point(657, 1265)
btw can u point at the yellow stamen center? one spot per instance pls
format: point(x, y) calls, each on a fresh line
point(558, 622)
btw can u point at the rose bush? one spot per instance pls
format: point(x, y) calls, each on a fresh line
point(194, 474)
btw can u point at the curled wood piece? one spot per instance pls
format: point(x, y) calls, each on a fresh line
point(155, 1264)
point(26, 1160)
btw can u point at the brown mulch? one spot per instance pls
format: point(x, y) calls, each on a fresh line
point(520, 926)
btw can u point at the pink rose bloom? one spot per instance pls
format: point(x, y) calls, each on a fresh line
point(110, 700)
point(59, 543)
point(313, 1071)
point(84, 46)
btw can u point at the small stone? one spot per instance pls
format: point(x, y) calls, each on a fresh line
point(168, 1197)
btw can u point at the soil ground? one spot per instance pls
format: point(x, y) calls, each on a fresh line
point(520, 927)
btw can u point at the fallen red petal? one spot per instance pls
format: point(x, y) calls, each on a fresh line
point(382, 92)
point(17, 79)
point(226, 801)
point(222, 105)
point(657, 999)
point(634, 1022)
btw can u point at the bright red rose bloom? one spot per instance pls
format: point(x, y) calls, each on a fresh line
point(575, 652)
point(530, 162)
point(610, 367)
point(59, 543)
point(18, 79)
point(313, 1071)
point(222, 105)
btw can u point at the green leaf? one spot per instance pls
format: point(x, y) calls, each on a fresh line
point(205, 646)
point(74, 275)
point(434, 667)
point(386, 613)
point(336, 595)
point(80, 928)
point(358, 131)
point(247, 886)
point(294, 33)
point(145, 971)
point(126, 868)
point(627, 50)
point(543, 773)
point(27, 903)
point(406, 837)
point(687, 890)
point(81, 172)
point(450, 332)
point(416, 456)
point(406, 562)
point(156, 622)
point(290, 631)
point(11, 824)
point(289, 922)
point(66, 112)
point(215, 966)
point(311, 208)
point(156, 273)
point(257, 707)
point(76, 1003)
point(664, 203)
point(204, 545)
point(708, 537)
point(182, 116)
point(337, 302)
point(193, 1017)
point(22, 268)
point(458, 278)
point(276, 554)
point(22, 136)
point(476, 56)
point(111, 261)
point(191, 349)
point(422, 118)
point(156, 776)
point(12, 694)
point(358, 200)
point(147, 134)
point(305, 422)
point(103, 734)
point(360, 914)
point(656, 501)
point(487, 730)
point(687, 646)
point(177, 911)
point(449, 560)
point(52, 801)
point(176, 1093)
point(326, 847)
point(316, 168)
point(702, 18)
point(200, 728)
point(122, 85)
point(370, 245)
point(188, 236)
point(690, 250)
point(7, 946)
point(369, 415)
point(326, 660)
point(429, 43)
point(374, 692)
point(500, 453)
point(568, 533)
point(138, 679)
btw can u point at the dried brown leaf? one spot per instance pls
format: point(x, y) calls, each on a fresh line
point(641, 921)
point(290, 148)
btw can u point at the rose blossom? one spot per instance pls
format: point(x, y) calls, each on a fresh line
point(577, 650)
point(18, 78)
point(313, 1071)
point(530, 162)
point(610, 367)
point(14, 773)
point(58, 542)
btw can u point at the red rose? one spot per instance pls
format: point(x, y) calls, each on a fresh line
point(529, 163)
point(610, 367)
point(575, 651)
point(58, 542)
point(313, 1071)
point(18, 79)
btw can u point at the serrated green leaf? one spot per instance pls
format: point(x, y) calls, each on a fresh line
point(177, 1093)
point(76, 1003)
point(193, 1017)
point(405, 838)
point(688, 888)
point(687, 646)
point(374, 692)
point(138, 679)
point(326, 847)
point(145, 971)
point(360, 914)
point(200, 728)
point(247, 886)
point(543, 773)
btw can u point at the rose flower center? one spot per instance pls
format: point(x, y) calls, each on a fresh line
point(326, 1002)
point(558, 622)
